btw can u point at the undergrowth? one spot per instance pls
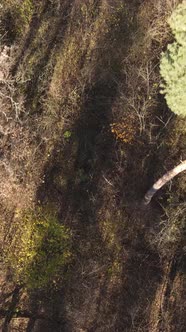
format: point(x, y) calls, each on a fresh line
point(39, 249)
point(171, 237)
point(99, 133)
point(15, 18)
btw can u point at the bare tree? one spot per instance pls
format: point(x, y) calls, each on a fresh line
point(163, 180)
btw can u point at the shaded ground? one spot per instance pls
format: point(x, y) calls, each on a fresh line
point(117, 281)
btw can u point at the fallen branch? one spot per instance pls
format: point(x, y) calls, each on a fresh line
point(163, 180)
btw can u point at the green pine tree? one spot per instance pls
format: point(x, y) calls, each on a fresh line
point(173, 64)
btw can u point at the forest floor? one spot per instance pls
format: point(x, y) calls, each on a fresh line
point(85, 132)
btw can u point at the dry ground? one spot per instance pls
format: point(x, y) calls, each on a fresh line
point(84, 131)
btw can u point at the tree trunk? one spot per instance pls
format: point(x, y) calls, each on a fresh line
point(163, 180)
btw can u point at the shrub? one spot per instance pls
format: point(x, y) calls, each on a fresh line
point(39, 250)
point(173, 64)
point(126, 130)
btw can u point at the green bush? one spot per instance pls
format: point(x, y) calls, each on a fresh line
point(173, 64)
point(40, 249)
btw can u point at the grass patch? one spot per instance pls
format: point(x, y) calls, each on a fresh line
point(170, 238)
point(82, 60)
point(15, 18)
point(111, 234)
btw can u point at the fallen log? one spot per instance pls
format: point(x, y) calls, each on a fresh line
point(163, 180)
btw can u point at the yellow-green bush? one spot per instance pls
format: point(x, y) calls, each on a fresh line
point(39, 249)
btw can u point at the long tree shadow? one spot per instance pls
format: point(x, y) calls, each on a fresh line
point(77, 164)
point(73, 180)
point(73, 185)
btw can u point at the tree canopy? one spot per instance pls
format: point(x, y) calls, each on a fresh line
point(173, 64)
